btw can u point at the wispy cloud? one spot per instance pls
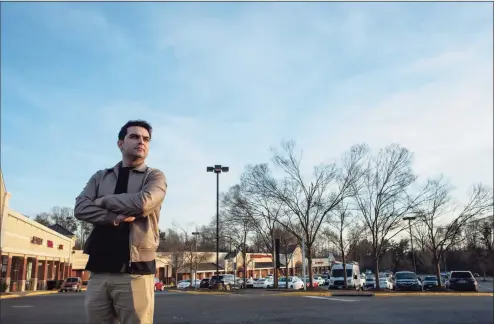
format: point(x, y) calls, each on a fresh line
point(221, 82)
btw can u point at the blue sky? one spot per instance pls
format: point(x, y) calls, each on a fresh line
point(222, 82)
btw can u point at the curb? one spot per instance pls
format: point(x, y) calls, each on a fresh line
point(384, 294)
point(34, 293)
point(323, 293)
point(201, 292)
point(429, 294)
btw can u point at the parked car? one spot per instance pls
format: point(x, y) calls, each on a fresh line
point(319, 280)
point(205, 283)
point(249, 283)
point(226, 279)
point(315, 283)
point(71, 284)
point(430, 282)
point(385, 281)
point(183, 284)
point(296, 283)
point(370, 282)
point(263, 283)
point(239, 283)
point(326, 278)
point(407, 280)
point(282, 282)
point(463, 280)
point(159, 285)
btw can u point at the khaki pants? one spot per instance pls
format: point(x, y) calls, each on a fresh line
point(113, 298)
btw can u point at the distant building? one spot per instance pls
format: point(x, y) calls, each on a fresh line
point(31, 253)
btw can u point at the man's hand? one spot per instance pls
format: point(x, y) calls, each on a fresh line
point(123, 218)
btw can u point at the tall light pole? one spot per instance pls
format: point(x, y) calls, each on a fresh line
point(195, 258)
point(411, 218)
point(218, 169)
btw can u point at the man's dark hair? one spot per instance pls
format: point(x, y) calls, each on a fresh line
point(130, 123)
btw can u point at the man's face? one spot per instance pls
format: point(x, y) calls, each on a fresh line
point(136, 143)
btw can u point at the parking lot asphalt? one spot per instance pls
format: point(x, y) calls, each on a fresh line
point(266, 308)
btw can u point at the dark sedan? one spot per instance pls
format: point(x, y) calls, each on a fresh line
point(463, 280)
point(407, 280)
point(205, 283)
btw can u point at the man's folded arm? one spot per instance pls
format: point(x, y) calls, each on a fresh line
point(142, 203)
point(85, 210)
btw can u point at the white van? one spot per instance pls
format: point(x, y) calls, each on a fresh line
point(353, 276)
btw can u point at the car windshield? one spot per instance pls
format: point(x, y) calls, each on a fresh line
point(383, 275)
point(463, 275)
point(431, 278)
point(405, 275)
point(340, 272)
point(71, 279)
point(282, 279)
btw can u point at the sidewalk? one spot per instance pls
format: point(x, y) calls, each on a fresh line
point(29, 293)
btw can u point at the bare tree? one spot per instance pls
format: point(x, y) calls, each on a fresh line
point(487, 234)
point(382, 197)
point(238, 221)
point(177, 249)
point(305, 204)
point(288, 244)
point(344, 233)
point(193, 260)
point(438, 203)
point(44, 219)
point(265, 213)
point(64, 216)
point(83, 231)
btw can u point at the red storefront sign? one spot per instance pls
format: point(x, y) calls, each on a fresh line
point(49, 243)
point(260, 256)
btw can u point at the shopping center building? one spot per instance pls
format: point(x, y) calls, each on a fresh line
point(31, 254)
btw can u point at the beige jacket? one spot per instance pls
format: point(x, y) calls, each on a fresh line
point(145, 193)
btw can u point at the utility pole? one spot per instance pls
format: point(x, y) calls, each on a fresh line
point(196, 257)
point(304, 263)
point(409, 219)
point(218, 169)
point(275, 269)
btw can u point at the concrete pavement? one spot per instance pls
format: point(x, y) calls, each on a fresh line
point(265, 308)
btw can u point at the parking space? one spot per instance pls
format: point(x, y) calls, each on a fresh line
point(179, 307)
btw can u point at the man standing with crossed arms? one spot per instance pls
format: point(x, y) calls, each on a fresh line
point(123, 203)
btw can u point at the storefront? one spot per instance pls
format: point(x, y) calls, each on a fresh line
point(79, 261)
point(205, 270)
point(321, 265)
point(31, 254)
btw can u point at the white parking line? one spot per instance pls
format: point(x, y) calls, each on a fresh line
point(331, 298)
point(22, 306)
